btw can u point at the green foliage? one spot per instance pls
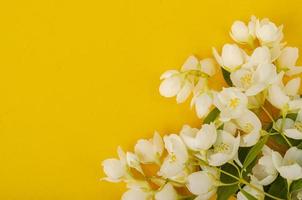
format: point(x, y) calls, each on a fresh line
point(226, 76)
point(225, 192)
point(248, 195)
point(296, 185)
point(254, 152)
point(211, 116)
point(278, 189)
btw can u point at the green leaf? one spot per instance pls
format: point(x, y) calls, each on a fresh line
point(242, 153)
point(225, 192)
point(254, 151)
point(296, 185)
point(211, 116)
point(248, 195)
point(278, 189)
point(299, 146)
point(292, 116)
point(226, 76)
point(279, 139)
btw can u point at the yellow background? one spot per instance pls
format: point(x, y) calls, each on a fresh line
point(79, 78)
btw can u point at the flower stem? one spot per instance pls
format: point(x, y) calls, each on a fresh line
point(274, 125)
point(241, 180)
point(268, 114)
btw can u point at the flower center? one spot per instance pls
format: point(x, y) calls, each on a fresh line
point(298, 126)
point(222, 148)
point(246, 80)
point(173, 157)
point(234, 102)
point(248, 127)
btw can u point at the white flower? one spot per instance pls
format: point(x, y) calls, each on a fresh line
point(149, 151)
point(133, 162)
point(203, 184)
point(171, 85)
point(231, 102)
point(175, 84)
point(259, 56)
point(287, 61)
point(166, 193)
point(255, 193)
point(115, 169)
point(240, 32)
point(174, 164)
point(290, 166)
point(206, 66)
point(203, 103)
point(136, 194)
point(232, 57)
point(176, 148)
point(291, 128)
point(181, 83)
point(285, 98)
point(264, 172)
point(225, 149)
point(268, 33)
point(198, 140)
point(250, 127)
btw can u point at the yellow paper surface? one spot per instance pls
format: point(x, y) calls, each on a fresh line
point(79, 78)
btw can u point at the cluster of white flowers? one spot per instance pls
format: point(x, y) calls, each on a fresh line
point(233, 152)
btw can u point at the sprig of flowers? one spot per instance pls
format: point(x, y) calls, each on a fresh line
point(233, 153)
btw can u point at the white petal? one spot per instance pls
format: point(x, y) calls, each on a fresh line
point(293, 133)
point(288, 57)
point(293, 71)
point(217, 56)
point(240, 32)
point(206, 137)
point(251, 125)
point(168, 74)
point(145, 151)
point(292, 87)
point(158, 143)
point(113, 168)
point(255, 89)
point(295, 104)
point(166, 193)
point(230, 127)
point(170, 168)
point(133, 162)
point(277, 97)
point(260, 55)
point(232, 56)
point(208, 66)
point(291, 172)
point(136, 194)
point(203, 104)
point(265, 73)
point(184, 92)
point(176, 147)
point(190, 64)
point(188, 135)
point(170, 86)
point(293, 154)
point(277, 159)
point(200, 183)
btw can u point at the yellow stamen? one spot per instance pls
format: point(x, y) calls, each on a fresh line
point(234, 102)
